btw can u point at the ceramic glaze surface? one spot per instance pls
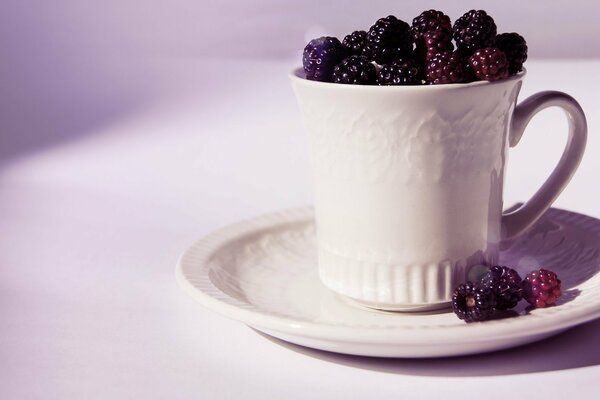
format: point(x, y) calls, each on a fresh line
point(264, 272)
point(408, 185)
point(396, 173)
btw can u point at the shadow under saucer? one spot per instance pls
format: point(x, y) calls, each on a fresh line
point(575, 348)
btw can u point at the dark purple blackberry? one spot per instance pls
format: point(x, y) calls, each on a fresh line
point(355, 42)
point(356, 70)
point(474, 30)
point(401, 72)
point(320, 56)
point(541, 288)
point(432, 43)
point(431, 20)
point(473, 302)
point(489, 64)
point(387, 40)
point(448, 67)
point(505, 282)
point(515, 48)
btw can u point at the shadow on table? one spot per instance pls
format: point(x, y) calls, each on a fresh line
point(575, 348)
point(48, 103)
point(59, 83)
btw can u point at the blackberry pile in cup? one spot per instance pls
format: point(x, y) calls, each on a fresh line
point(430, 51)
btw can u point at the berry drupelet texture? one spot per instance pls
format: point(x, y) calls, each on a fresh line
point(515, 48)
point(401, 72)
point(447, 67)
point(355, 42)
point(442, 53)
point(356, 70)
point(431, 20)
point(432, 43)
point(505, 282)
point(541, 288)
point(473, 302)
point(489, 64)
point(474, 30)
point(320, 57)
point(388, 39)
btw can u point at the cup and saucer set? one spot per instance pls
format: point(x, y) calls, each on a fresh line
point(408, 185)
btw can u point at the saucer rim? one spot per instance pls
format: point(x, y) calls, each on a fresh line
point(538, 322)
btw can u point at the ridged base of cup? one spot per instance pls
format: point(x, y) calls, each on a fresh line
point(394, 287)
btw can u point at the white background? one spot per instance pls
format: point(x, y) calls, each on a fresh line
point(130, 129)
point(266, 28)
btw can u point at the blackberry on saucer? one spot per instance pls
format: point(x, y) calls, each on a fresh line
point(541, 288)
point(473, 302)
point(505, 282)
point(320, 57)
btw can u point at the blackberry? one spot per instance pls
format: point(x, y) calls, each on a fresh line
point(404, 71)
point(432, 43)
point(505, 282)
point(388, 39)
point(356, 70)
point(320, 56)
point(431, 20)
point(448, 67)
point(541, 288)
point(489, 64)
point(515, 48)
point(474, 30)
point(473, 302)
point(355, 42)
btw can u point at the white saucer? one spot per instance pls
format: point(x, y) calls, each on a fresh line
point(263, 273)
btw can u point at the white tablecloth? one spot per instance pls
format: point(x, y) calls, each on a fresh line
point(129, 172)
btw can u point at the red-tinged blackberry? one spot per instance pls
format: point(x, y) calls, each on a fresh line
point(320, 56)
point(541, 288)
point(505, 282)
point(432, 43)
point(474, 30)
point(431, 20)
point(515, 48)
point(388, 39)
point(404, 71)
point(355, 42)
point(448, 67)
point(473, 302)
point(489, 64)
point(356, 70)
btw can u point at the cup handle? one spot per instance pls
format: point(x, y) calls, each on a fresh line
point(516, 222)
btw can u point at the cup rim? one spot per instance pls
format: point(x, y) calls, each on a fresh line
point(297, 75)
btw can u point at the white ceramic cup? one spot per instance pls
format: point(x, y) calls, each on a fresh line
point(408, 182)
